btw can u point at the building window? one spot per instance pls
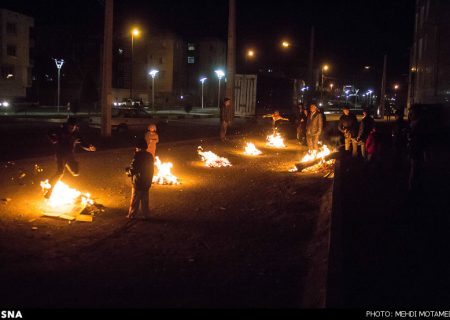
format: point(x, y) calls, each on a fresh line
point(11, 50)
point(8, 73)
point(191, 47)
point(191, 60)
point(11, 28)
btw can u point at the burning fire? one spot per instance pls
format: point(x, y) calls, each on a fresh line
point(251, 150)
point(65, 198)
point(275, 141)
point(165, 176)
point(314, 155)
point(212, 160)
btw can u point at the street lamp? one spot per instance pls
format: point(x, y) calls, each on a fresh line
point(325, 68)
point(220, 75)
point(153, 74)
point(369, 95)
point(134, 33)
point(285, 44)
point(331, 87)
point(202, 80)
point(59, 64)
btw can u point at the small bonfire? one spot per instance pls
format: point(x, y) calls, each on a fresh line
point(318, 161)
point(69, 203)
point(164, 175)
point(251, 150)
point(276, 141)
point(212, 160)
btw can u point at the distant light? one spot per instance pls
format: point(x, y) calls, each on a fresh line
point(251, 53)
point(9, 76)
point(59, 63)
point(202, 80)
point(285, 44)
point(136, 32)
point(367, 67)
point(326, 67)
point(396, 87)
point(153, 73)
point(220, 74)
point(120, 51)
point(5, 104)
point(181, 97)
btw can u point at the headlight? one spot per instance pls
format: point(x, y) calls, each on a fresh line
point(5, 104)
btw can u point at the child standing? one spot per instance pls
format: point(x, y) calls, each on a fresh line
point(152, 138)
point(141, 172)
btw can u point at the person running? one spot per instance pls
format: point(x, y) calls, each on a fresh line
point(65, 140)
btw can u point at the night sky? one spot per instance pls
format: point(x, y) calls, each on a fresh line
point(349, 34)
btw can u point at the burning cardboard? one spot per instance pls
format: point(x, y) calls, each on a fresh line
point(212, 160)
point(164, 175)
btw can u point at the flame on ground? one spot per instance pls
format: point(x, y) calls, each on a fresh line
point(314, 155)
point(65, 198)
point(212, 160)
point(251, 150)
point(275, 141)
point(165, 176)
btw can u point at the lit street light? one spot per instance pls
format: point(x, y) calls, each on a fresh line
point(220, 75)
point(369, 95)
point(325, 68)
point(153, 74)
point(285, 44)
point(59, 65)
point(202, 80)
point(134, 33)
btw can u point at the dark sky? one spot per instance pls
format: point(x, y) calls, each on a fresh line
point(349, 33)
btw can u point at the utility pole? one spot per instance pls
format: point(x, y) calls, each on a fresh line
point(311, 59)
point(231, 56)
point(381, 109)
point(106, 99)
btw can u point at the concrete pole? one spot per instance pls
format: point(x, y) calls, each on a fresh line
point(59, 87)
point(383, 89)
point(231, 56)
point(107, 69)
point(311, 59)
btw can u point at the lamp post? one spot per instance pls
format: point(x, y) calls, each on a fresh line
point(324, 69)
point(59, 64)
point(202, 80)
point(153, 74)
point(369, 95)
point(220, 75)
point(134, 33)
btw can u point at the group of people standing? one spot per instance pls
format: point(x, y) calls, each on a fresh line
point(311, 126)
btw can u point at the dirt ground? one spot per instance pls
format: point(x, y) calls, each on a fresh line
point(253, 235)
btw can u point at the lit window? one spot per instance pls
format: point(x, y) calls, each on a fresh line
point(191, 47)
point(191, 60)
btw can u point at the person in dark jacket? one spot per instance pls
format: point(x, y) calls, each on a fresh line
point(417, 146)
point(65, 140)
point(314, 127)
point(365, 128)
point(141, 172)
point(226, 117)
point(324, 123)
point(301, 126)
point(348, 126)
point(399, 138)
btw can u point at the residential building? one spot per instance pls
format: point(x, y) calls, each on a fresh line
point(430, 54)
point(15, 61)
